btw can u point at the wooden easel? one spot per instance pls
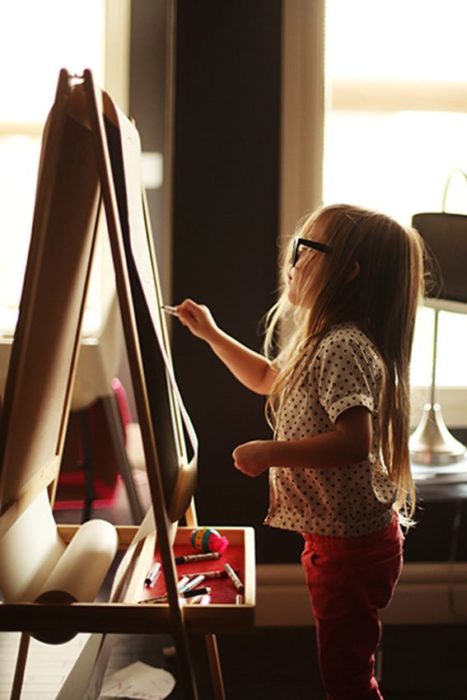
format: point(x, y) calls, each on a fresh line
point(90, 158)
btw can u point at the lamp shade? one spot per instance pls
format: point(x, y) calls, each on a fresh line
point(445, 236)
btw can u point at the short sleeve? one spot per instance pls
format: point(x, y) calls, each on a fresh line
point(347, 374)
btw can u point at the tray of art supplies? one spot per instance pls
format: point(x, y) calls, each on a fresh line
point(216, 578)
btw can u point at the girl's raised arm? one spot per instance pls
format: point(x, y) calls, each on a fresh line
point(250, 368)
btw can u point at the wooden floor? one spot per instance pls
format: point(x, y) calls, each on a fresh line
point(48, 666)
point(419, 663)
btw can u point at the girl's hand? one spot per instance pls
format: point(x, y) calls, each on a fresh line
point(252, 458)
point(197, 318)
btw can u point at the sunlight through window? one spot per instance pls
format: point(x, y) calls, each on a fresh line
point(396, 127)
point(37, 39)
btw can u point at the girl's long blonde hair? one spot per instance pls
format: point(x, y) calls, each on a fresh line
point(382, 300)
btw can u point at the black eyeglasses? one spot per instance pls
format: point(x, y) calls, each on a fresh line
point(316, 245)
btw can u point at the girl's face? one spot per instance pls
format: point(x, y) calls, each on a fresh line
point(301, 276)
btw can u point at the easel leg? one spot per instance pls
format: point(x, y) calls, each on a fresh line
point(215, 666)
point(20, 666)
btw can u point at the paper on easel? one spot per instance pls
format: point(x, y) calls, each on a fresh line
point(139, 681)
point(80, 571)
point(36, 561)
point(38, 566)
point(29, 551)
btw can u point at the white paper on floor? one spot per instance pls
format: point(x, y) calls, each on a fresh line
point(139, 681)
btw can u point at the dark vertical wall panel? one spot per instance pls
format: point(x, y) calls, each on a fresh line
point(148, 92)
point(226, 205)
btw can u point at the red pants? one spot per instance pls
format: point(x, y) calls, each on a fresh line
point(349, 578)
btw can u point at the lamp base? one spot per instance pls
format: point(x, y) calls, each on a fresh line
point(431, 443)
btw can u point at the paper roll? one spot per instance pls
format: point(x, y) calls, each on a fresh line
point(29, 551)
point(80, 572)
point(81, 569)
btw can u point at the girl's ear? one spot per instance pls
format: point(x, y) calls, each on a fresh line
point(354, 271)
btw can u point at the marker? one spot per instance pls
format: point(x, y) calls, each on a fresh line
point(210, 574)
point(153, 574)
point(163, 598)
point(157, 599)
point(182, 583)
point(187, 558)
point(196, 592)
point(199, 600)
point(191, 583)
point(172, 310)
point(233, 577)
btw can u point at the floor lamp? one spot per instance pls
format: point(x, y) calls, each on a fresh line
point(445, 236)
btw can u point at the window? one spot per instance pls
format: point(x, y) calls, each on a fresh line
point(37, 39)
point(395, 128)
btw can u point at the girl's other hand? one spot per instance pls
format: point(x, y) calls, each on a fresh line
point(251, 458)
point(197, 318)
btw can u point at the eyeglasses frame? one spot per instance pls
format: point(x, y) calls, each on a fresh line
point(308, 243)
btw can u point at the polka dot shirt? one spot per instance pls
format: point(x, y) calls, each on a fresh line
point(352, 500)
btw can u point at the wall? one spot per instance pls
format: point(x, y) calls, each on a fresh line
point(148, 56)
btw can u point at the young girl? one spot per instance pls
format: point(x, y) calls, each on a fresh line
point(338, 399)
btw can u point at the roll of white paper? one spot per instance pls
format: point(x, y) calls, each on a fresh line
point(80, 571)
point(29, 551)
